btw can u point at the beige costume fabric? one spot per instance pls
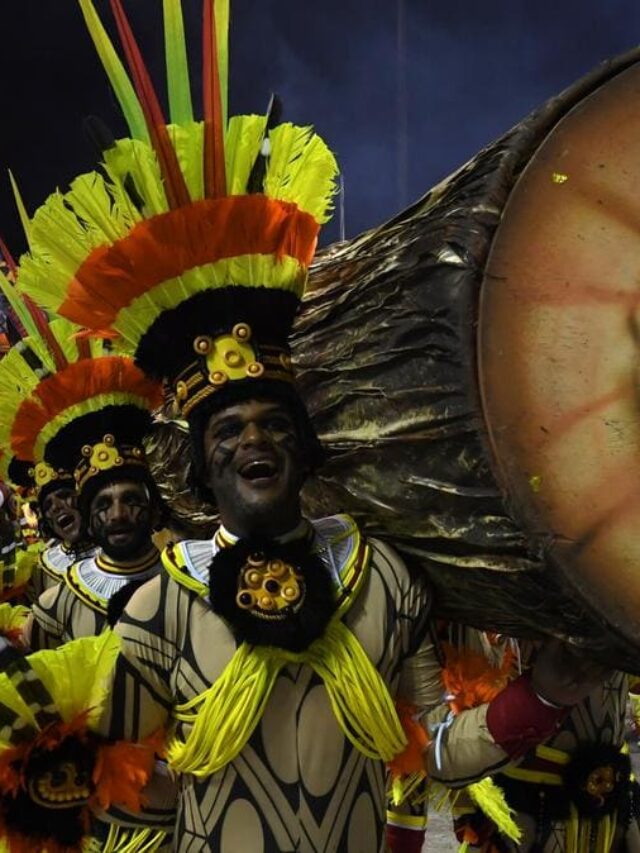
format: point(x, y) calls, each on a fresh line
point(298, 784)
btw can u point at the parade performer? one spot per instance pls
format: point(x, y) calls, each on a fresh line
point(276, 648)
point(72, 415)
point(573, 794)
point(102, 443)
point(16, 561)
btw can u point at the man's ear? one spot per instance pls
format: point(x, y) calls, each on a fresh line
point(85, 522)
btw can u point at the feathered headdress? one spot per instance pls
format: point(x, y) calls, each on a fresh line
point(194, 242)
point(53, 765)
point(60, 393)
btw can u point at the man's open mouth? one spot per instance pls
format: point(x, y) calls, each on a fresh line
point(66, 520)
point(120, 533)
point(258, 470)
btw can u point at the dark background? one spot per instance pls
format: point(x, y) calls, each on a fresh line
point(403, 90)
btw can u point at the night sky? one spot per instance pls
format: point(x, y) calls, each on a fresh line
point(472, 69)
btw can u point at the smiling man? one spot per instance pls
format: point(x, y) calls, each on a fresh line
point(253, 452)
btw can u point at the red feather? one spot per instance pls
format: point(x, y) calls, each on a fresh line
point(38, 315)
point(175, 185)
point(215, 180)
point(8, 257)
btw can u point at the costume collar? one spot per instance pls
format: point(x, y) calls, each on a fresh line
point(337, 541)
point(57, 558)
point(95, 585)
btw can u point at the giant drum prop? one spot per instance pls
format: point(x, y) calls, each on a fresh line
point(472, 367)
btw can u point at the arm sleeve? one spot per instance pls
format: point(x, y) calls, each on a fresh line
point(478, 741)
point(50, 615)
point(141, 698)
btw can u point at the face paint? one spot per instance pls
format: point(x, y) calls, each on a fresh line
point(62, 516)
point(121, 520)
point(255, 467)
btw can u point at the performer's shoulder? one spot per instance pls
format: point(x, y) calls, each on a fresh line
point(54, 601)
point(55, 559)
point(387, 561)
point(188, 563)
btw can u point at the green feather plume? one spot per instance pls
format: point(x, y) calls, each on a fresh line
point(180, 105)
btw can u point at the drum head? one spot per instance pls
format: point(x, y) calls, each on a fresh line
point(559, 349)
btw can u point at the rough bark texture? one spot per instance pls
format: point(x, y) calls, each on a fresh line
point(386, 355)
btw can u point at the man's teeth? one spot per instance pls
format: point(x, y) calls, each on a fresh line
point(256, 470)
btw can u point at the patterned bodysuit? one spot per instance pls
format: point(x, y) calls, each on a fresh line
point(77, 607)
point(298, 784)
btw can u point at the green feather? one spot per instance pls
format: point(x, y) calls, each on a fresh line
point(221, 11)
point(124, 91)
point(22, 210)
point(180, 106)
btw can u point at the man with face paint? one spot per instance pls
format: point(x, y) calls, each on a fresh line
point(60, 525)
point(120, 507)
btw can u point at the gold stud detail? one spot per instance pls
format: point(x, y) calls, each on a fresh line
point(109, 440)
point(103, 456)
point(253, 578)
point(233, 358)
point(290, 593)
point(86, 450)
point(255, 369)
point(285, 361)
point(202, 345)
point(277, 568)
point(241, 332)
point(256, 560)
point(218, 378)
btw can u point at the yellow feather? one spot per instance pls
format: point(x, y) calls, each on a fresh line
point(302, 170)
point(94, 205)
point(242, 146)
point(22, 210)
point(490, 798)
point(78, 674)
point(188, 141)
point(137, 161)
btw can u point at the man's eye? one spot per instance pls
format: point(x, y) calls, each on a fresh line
point(278, 424)
point(226, 431)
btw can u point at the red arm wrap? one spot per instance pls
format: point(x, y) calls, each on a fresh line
point(519, 720)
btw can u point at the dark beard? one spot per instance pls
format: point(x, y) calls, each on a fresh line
point(137, 547)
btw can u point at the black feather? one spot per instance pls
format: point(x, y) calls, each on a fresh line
point(298, 629)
